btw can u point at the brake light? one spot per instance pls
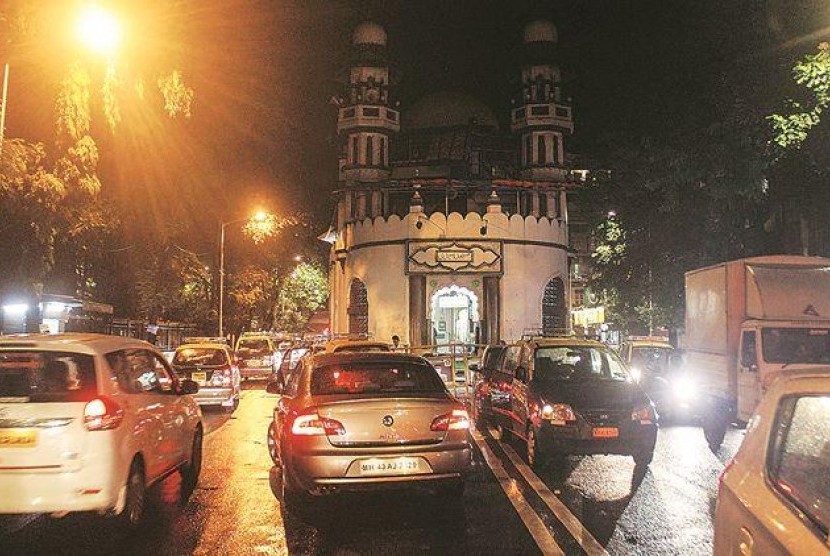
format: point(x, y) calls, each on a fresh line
point(558, 413)
point(102, 414)
point(457, 419)
point(643, 415)
point(309, 423)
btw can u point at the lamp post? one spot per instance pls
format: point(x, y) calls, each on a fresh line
point(257, 217)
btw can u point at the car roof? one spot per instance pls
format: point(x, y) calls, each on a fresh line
point(567, 341)
point(80, 342)
point(323, 358)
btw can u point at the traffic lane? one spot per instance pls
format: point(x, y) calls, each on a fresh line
point(412, 520)
point(232, 492)
point(664, 509)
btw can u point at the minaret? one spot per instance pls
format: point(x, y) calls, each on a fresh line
point(365, 122)
point(541, 118)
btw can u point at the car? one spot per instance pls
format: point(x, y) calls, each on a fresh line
point(88, 424)
point(658, 367)
point(774, 495)
point(205, 339)
point(257, 355)
point(569, 396)
point(337, 346)
point(365, 421)
point(489, 392)
point(212, 366)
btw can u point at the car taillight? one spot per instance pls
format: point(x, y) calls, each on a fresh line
point(102, 414)
point(558, 413)
point(643, 415)
point(222, 377)
point(309, 423)
point(457, 419)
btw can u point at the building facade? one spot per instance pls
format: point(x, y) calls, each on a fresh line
point(447, 227)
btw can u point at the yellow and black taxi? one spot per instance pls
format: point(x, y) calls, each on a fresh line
point(569, 396)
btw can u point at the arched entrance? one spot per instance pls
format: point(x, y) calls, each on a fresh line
point(358, 308)
point(455, 316)
point(554, 311)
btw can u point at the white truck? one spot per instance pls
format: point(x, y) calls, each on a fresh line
point(748, 319)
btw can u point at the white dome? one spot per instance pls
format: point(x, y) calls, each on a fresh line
point(540, 31)
point(369, 33)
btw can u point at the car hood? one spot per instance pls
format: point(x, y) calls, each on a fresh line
point(593, 394)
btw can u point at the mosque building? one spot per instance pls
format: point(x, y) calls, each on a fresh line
point(448, 228)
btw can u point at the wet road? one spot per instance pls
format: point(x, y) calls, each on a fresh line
point(593, 505)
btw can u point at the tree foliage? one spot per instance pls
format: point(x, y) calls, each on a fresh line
point(301, 294)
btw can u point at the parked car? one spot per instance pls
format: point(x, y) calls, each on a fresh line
point(88, 424)
point(257, 355)
point(489, 393)
point(574, 397)
point(774, 495)
point(212, 366)
point(658, 368)
point(357, 421)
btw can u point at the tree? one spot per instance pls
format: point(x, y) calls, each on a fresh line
point(301, 293)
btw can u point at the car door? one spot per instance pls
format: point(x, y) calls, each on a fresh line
point(177, 417)
point(282, 412)
point(749, 388)
point(504, 400)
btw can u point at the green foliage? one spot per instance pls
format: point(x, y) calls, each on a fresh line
point(302, 293)
point(813, 74)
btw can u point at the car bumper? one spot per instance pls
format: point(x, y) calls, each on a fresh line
point(215, 396)
point(579, 439)
point(90, 489)
point(248, 372)
point(327, 469)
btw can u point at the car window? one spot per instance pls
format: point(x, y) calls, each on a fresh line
point(200, 356)
point(293, 381)
point(138, 371)
point(511, 360)
point(799, 464)
point(254, 345)
point(796, 345)
point(650, 360)
point(491, 357)
point(375, 378)
point(577, 363)
point(47, 376)
point(748, 355)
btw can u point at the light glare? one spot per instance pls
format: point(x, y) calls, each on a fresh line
point(98, 30)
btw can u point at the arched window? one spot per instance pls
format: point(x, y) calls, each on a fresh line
point(358, 308)
point(542, 148)
point(554, 311)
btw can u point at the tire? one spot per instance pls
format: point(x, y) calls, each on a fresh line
point(191, 471)
point(451, 490)
point(132, 515)
point(642, 459)
point(296, 502)
point(273, 449)
point(715, 424)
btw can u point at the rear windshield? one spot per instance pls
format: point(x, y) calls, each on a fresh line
point(577, 363)
point(369, 378)
point(46, 376)
point(360, 349)
point(654, 360)
point(200, 356)
point(254, 345)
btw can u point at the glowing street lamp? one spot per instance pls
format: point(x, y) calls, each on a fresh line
point(260, 224)
point(99, 30)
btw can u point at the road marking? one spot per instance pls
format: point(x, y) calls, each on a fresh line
point(540, 533)
point(585, 539)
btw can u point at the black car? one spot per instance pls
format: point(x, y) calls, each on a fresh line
point(575, 397)
point(486, 395)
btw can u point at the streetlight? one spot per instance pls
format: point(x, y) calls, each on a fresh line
point(96, 28)
point(260, 217)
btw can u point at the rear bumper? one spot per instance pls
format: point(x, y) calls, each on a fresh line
point(248, 372)
point(332, 469)
point(633, 438)
point(214, 396)
point(91, 489)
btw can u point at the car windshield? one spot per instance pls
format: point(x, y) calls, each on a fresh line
point(380, 377)
point(796, 345)
point(258, 345)
point(47, 376)
point(653, 360)
point(577, 363)
point(200, 356)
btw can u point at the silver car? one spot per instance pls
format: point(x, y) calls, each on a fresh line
point(212, 367)
point(357, 421)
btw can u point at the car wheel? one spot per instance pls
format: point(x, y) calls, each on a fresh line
point(295, 502)
point(452, 489)
point(191, 471)
point(132, 515)
point(643, 458)
point(532, 448)
point(273, 450)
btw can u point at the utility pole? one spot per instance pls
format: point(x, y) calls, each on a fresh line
point(3, 107)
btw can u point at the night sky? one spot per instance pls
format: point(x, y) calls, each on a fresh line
point(263, 130)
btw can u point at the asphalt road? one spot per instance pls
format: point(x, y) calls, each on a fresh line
point(595, 504)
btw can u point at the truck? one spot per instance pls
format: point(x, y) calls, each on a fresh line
point(746, 321)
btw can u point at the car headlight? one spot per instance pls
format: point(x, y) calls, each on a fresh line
point(636, 374)
point(684, 388)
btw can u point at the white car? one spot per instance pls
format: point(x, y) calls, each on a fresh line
point(774, 495)
point(88, 422)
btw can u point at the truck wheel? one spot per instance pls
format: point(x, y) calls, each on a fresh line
point(714, 429)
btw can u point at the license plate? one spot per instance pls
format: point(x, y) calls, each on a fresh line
point(392, 466)
point(199, 377)
point(18, 438)
point(254, 363)
point(606, 432)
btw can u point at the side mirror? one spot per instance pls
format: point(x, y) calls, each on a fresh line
point(274, 387)
point(189, 387)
